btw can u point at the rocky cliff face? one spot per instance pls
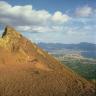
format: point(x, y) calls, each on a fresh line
point(17, 44)
point(27, 70)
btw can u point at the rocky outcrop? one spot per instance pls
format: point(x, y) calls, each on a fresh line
point(27, 70)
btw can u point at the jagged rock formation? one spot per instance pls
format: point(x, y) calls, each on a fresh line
point(27, 70)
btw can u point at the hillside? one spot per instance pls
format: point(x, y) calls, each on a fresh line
point(27, 70)
point(79, 57)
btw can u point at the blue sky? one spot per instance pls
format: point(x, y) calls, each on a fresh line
point(63, 21)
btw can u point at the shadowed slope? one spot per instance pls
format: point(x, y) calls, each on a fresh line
point(26, 70)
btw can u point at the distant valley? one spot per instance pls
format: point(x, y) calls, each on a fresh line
point(85, 49)
point(79, 57)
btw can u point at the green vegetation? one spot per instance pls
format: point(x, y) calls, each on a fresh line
point(86, 67)
point(86, 70)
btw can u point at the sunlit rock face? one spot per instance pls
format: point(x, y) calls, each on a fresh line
point(27, 70)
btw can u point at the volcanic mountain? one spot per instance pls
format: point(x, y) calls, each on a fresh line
point(27, 70)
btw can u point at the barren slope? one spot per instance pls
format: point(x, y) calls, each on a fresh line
point(26, 70)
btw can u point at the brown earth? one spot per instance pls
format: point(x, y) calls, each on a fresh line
point(27, 70)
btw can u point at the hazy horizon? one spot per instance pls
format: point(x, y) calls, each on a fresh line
point(51, 21)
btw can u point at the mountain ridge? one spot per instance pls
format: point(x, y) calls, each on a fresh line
point(26, 69)
point(79, 46)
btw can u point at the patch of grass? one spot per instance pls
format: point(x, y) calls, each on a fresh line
point(87, 70)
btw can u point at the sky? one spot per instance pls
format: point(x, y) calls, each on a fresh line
point(51, 21)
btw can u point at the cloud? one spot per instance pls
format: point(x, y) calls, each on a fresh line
point(41, 29)
point(58, 17)
point(84, 11)
point(28, 19)
point(22, 15)
point(51, 27)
